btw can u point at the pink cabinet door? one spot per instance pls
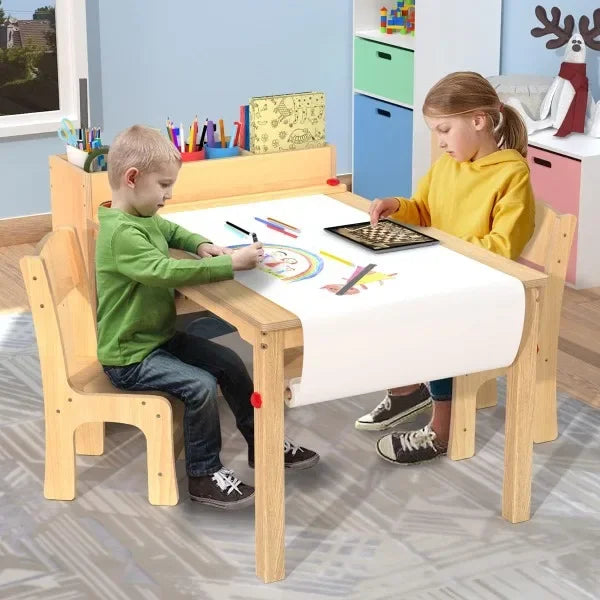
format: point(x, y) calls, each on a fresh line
point(556, 181)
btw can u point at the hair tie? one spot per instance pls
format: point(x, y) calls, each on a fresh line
point(501, 107)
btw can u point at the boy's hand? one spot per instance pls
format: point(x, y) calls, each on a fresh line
point(247, 257)
point(206, 249)
point(380, 209)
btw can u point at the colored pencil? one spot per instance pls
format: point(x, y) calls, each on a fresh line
point(334, 257)
point(281, 230)
point(353, 280)
point(284, 224)
point(222, 133)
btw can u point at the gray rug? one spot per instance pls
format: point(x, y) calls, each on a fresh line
point(357, 527)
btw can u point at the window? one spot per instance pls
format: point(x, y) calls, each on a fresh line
point(43, 54)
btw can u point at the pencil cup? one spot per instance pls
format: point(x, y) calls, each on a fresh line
point(190, 156)
point(217, 152)
point(76, 156)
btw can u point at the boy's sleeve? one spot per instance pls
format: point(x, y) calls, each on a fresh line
point(179, 237)
point(136, 258)
point(416, 210)
point(513, 219)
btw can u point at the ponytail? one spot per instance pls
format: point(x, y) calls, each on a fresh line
point(509, 130)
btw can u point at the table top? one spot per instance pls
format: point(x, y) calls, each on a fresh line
point(262, 314)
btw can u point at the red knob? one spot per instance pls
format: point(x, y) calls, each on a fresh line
point(333, 181)
point(256, 400)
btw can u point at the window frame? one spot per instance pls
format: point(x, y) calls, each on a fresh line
point(71, 53)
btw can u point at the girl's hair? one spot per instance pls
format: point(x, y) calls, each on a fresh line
point(466, 92)
point(140, 147)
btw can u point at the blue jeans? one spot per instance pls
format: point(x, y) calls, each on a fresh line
point(189, 368)
point(441, 389)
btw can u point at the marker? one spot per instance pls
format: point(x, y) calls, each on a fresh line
point(210, 134)
point(237, 227)
point(343, 261)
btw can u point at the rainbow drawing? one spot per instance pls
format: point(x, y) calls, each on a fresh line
point(289, 263)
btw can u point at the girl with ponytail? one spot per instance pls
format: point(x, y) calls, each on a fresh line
point(478, 190)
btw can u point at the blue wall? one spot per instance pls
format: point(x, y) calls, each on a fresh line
point(522, 53)
point(179, 59)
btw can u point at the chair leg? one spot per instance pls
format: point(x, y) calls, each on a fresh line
point(487, 396)
point(462, 422)
point(59, 475)
point(545, 420)
point(162, 480)
point(89, 439)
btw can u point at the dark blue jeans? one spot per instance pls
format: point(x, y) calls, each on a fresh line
point(190, 367)
point(441, 389)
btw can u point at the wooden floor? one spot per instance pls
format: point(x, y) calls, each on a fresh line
point(579, 344)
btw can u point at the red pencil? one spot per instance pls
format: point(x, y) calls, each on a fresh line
point(281, 231)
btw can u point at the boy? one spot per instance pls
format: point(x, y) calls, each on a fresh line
point(137, 342)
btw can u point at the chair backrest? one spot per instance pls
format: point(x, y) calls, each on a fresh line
point(59, 296)
point(550, 245)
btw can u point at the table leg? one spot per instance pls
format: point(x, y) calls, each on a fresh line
point(268, 457)
point(520, 400)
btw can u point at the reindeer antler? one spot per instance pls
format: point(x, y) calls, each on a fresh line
point(563, 34)
point(589, 34)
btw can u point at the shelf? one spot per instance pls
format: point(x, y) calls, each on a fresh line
point(391, 39)
point(389, 100)
point(575, 145)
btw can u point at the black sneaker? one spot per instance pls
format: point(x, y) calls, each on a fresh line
point(395, 409)
point(410, 447)
point(294, 456)
point(221, 489)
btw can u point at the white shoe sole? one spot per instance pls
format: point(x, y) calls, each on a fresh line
point(247, 501)
point(405, 417)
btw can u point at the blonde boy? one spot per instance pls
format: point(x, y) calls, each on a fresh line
point(137, 341)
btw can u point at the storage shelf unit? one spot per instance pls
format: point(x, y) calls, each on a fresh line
point(565, 174)
point(392, 75)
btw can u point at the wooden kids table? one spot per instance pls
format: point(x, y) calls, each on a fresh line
point(276, 334)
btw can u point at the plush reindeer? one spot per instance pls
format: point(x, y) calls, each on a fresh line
point(568, 106)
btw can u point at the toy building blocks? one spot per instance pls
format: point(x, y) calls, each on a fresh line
point(400, 19)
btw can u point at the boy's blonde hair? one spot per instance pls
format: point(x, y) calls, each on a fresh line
point(140, 147)
point(464, 92)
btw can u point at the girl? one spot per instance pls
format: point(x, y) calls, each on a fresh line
point(479, 190)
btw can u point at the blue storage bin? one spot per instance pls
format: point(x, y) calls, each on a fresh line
point(382, 148)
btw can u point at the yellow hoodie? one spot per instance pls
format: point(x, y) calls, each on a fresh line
point(488, 202)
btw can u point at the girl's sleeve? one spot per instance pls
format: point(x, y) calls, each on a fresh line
point(415, 211)
point(513, 219)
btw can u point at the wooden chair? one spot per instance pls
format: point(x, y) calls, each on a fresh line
point(548, 250)
point(78, 396)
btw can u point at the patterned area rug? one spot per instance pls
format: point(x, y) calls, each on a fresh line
point(357, 527)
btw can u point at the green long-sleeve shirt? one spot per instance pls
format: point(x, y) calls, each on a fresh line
point(135, 278)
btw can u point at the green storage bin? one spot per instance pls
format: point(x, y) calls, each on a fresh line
point(384, 70)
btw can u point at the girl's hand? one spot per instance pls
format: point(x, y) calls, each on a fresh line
point(380, 209)
point(205, 250)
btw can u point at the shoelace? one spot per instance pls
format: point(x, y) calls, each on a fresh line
point(385, 404)
point(227, 481)
point(414, 440)
point(289, 446)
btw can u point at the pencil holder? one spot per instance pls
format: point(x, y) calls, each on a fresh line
point(190, 156)
point(76, 156)
point(218, 152)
